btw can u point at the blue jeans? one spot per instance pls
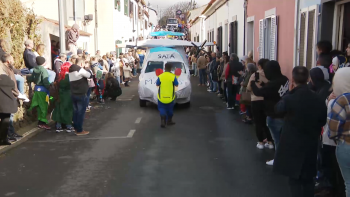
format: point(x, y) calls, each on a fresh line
point(11, 130)
point(79, 108)
point(118, 79)
point(213, 84)
point(343, 158)
point(88, 97)
point(194, 66)
point(20, 83)
point(52, 75)
point(275, 125)
point(134, 71)
point(202, 76)
point(166, 109)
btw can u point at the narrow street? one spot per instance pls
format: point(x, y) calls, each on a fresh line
point(208, 153)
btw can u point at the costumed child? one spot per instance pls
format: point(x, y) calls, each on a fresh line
point(40, 100)
point(63, 112)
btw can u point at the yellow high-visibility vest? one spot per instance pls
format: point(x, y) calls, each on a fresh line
point(166, 90)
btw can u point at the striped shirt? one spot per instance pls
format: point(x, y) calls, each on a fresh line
point(338, 119)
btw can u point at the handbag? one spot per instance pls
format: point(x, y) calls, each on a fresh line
point(246, 98)
point(91, 83)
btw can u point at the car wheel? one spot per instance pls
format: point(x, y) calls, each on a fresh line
point(143, 103)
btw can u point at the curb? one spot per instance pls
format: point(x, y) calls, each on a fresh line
point(26, 136)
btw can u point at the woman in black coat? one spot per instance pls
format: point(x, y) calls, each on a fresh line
point(305, 114)
point(113, 89)
point(8, 105)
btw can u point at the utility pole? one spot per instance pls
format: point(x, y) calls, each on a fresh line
point(96, 27)
point(61, 26)
point(75, 11)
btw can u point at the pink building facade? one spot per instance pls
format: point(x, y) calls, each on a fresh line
point(270, 31)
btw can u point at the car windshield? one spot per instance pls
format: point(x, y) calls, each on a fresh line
point(152, 66)
point(172, 21)
point(178, 65)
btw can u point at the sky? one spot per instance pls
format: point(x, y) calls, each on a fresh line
point(163, 4)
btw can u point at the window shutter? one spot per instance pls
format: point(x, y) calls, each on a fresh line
point(302, 39)
point(273, 38)
point(231, 37)
point(219, 43)
point(126, 7)
point(235, 37)
point(310, 39)
point(261, 39)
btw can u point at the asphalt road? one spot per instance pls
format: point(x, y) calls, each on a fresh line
point(208, 153)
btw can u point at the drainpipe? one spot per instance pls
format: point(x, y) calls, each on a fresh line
point(61, 26)
point(296, 33)
point(96, 28)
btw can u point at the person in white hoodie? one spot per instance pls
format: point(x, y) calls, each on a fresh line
point(116, 68)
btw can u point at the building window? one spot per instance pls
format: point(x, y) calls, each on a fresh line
point(233, 37)
point(268, 38)
point(341, 38)
point(219, 41)
point(131, 9)
point(306, 55)
point(126, 7)
point(117, 5)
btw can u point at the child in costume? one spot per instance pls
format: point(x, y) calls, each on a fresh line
point(40, 100)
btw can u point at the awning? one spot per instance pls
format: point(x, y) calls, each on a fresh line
point(166, 33)
point(82, 33)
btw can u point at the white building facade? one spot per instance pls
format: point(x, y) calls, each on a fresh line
point(222, 22)
point(114, 21)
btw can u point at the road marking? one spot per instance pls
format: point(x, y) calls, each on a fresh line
point(138, 120)
point(131, 133)
point(124, 99)
point(79, 139)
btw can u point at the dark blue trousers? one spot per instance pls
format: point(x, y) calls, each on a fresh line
point(166, 109)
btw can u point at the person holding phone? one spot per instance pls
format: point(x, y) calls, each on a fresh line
point(257, 107)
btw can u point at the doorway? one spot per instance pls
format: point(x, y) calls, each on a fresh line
point(342, 35)
point(226, 38)
point(250, 37)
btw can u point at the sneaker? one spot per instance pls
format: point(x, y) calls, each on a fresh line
point(82, 133)
point(44, 126)
point(12, 139)
point(209, 90)
point(230, 108)
point(58, 130)
point(270, 163)
point(260, 146)
point(70, 130)
point(269, 146)
point(220, 95)
point(242, 112)
point(87, 110)
point(23, 97)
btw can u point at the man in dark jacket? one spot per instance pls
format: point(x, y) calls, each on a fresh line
point(272, 92)
point(305, 113)
point(8, 106)
point(79, 86)
point(29, 56)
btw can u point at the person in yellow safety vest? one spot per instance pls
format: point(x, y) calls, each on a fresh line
point(167, 84)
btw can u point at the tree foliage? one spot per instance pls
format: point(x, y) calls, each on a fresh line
point(16, 24)
point(170, 12)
